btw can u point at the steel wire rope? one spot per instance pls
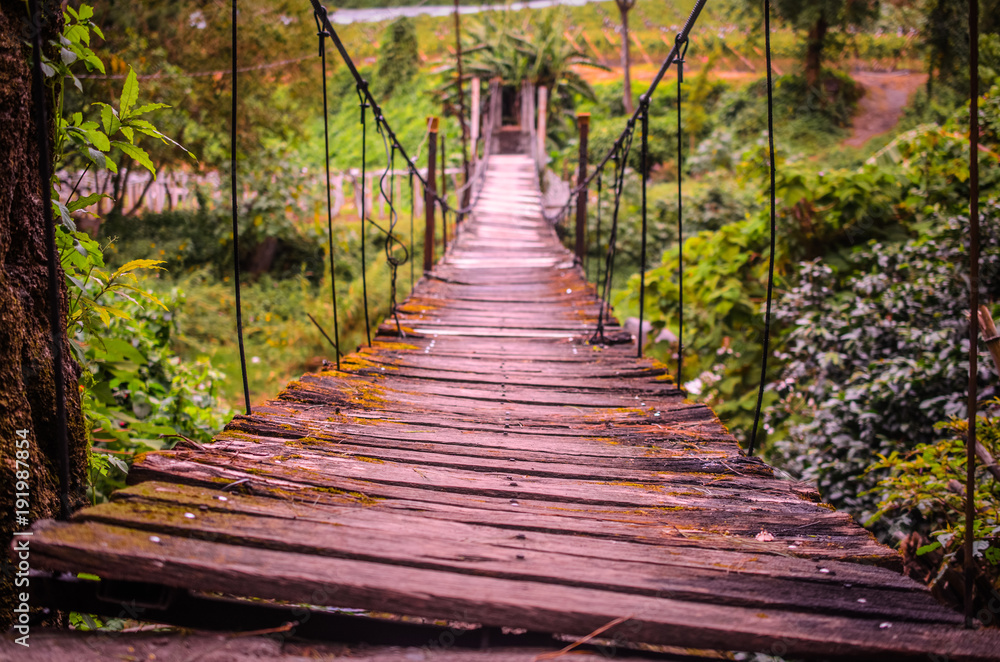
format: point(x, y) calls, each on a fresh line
point(323, 34)
point(236, 226)
point(680, 217)
point(644, 121)
point(391, 240)
point(770, 263)
point(620, 163)
point(363, 85)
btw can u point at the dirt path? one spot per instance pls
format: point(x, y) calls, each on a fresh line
point(886, 95)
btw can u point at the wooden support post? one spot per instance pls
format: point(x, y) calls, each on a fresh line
point(583, 127)
point(474, 138)
point(430, 191)
point(444, 196)
point(543, 99)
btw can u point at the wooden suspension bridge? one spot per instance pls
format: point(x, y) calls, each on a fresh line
point(492, 476)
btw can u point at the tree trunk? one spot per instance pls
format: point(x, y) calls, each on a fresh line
point(27, 400)
point(814, 52)
point(624, 6)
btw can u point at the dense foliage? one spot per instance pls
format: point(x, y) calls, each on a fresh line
point(136, 393)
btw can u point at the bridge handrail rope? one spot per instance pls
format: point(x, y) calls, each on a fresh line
point(369, 99)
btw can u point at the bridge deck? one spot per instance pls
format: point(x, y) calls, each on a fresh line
point(492, 467)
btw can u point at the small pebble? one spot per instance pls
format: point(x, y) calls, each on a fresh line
point(520, 536)
point(825, 571)
point(513, 502)
point(222, 498)
point(862, 600)
point(203, 507)
point(884, 626)
point(520, 556)
point(155, 539)
point(189, 515)
point(513, 484)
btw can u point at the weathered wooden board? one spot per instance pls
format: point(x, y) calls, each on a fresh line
point(492, 466)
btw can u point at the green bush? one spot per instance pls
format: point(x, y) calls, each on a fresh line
point(802, 115)
point(876, 355)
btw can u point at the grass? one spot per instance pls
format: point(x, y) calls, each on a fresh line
point(281, 342)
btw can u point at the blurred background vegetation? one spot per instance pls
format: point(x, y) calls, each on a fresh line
point(870, 341)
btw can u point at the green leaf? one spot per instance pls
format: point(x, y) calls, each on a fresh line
point(138, 154)
point(134, 265)
point(64, 215)
point(146, 108)
point(99, 140)
point(86, 201)
point(130, 94)
point(99, 159)
point(85, 12)
point(109, 118)
point(93, 62)
point(927, 548)
point(118, 463)
point(128, 133)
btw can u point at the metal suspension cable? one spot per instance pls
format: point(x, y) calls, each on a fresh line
point(680, 218)
point(969, 565)
point(597, 261)
point(236, 225)
point(56, 318)
point(644, 105)
point(364, 140)
point(329, 204)
point(770, 265)
point(391, 241)
point(620, 161)
point(411, 229)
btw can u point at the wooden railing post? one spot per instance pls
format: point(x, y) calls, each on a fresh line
point(583, 127)
point(542, 123)
point(474, 124)
point(430, 192)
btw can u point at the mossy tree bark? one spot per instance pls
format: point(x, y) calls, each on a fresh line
point(27, 375)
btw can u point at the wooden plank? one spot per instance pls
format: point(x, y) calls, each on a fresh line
point(128, 554)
